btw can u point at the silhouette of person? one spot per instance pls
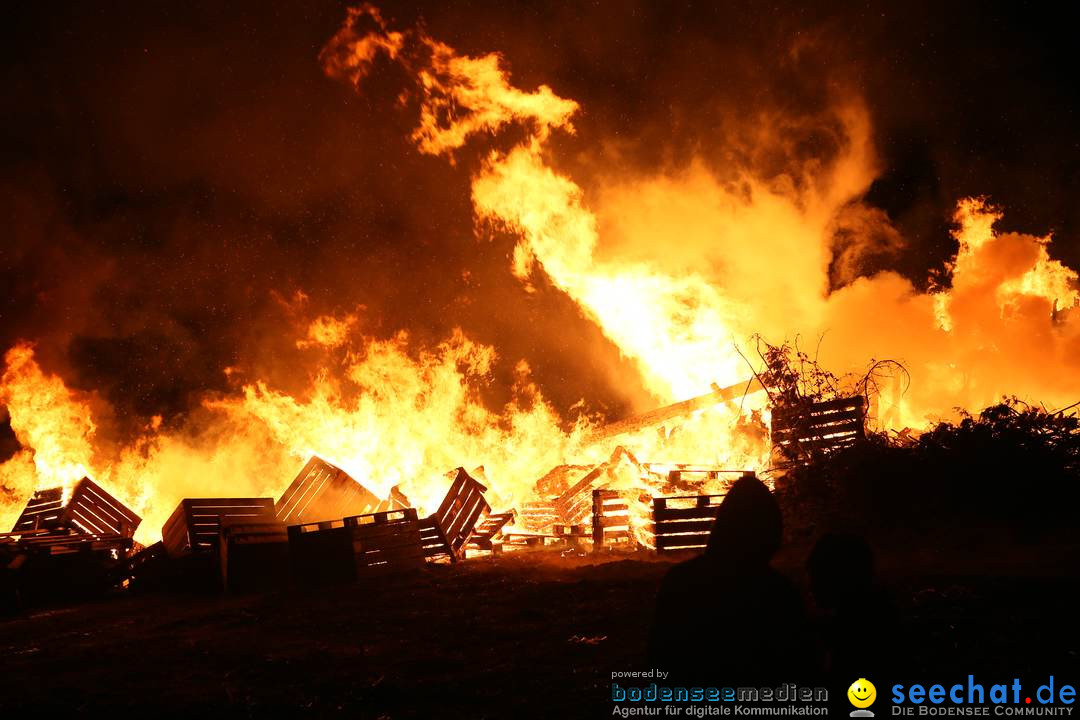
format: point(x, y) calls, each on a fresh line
point(727, 616)
point(858, 625)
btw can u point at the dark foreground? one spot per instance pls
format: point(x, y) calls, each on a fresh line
point(523, 636)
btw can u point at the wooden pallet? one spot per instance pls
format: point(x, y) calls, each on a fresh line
point(396, 501)
point(489, 530)
point(683, 523)
point(195, 525)
point(10, 540)
point(559, 478)
point(528, 541)
point(685, 476)
point(44, 511)
point(321, 553)
point(67, 568)
point(89, 510)
point(611, 520)
point(146, 567)
point(446, 532)
point(574, 536)
point(538, 515)
point(575, 504)
point(58, 544)
point(254, 556)
point(805, 430)
point(343, 550)
point(386, 542)
point(322, 491)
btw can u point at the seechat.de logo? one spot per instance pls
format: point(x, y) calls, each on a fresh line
point(862, 694)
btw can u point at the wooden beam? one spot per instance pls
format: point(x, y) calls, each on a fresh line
point(676, 410)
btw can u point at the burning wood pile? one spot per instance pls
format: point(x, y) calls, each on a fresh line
point(327, 527)
point(68, 542)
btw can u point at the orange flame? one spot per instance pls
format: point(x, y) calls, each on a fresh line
point(48, 418)
point(676, 268)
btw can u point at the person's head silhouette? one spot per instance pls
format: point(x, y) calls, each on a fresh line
point(748, 527)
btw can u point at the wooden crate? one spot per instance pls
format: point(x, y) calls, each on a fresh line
point(60, 560)
point(195, 525)
point(804, 430)
point(684, 523)
point(446, 532)
point(254, 556)
point(321, 492)
point(89, 510)
point(343, 550)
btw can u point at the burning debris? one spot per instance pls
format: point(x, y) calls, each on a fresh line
point(245, 546)
point(83, 511)
point(490, 531)
point(68, 542)
point(329, 527)
point(394, 413)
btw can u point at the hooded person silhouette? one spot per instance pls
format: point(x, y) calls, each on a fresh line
point(727, 616)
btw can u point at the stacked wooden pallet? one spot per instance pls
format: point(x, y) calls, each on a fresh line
point(86, 510)
point(356, 547)
point(386, 542)
point(195, 526)
point(69, 543)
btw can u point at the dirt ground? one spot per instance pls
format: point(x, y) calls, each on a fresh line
point(533, 635)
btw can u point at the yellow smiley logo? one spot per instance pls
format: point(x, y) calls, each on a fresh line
point(862, 693)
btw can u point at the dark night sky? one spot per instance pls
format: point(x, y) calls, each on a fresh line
point(172, 170)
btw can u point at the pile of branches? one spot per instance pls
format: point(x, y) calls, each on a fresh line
point(793, 378)
point(1011, 466)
